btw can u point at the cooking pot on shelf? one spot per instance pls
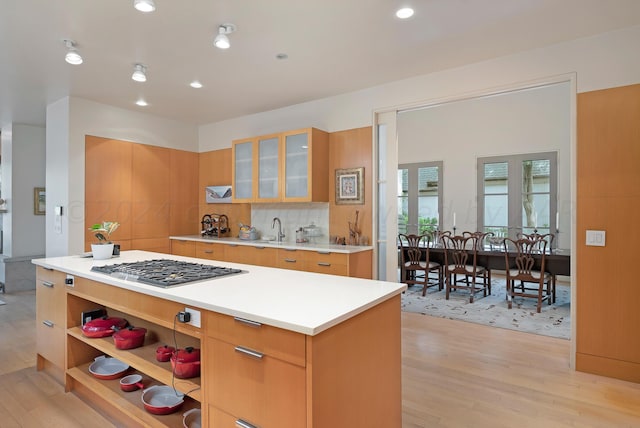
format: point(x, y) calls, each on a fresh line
point(163, 353)
point(103, 326)
point(107, 368)
point(129, 337)
point(192, 418)
point(161, 399)
point(131, 383)
point(185, 363)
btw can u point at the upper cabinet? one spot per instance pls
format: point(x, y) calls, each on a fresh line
point(291, 166)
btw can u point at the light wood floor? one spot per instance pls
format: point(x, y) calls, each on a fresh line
point(455, 374)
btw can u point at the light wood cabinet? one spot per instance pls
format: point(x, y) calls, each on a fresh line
point(347, 375)
point(185, 248)
point(357, 264)
point(50, 321)
point(157, 316)
point(210, 251)
point(291, 166)
point(271, 378)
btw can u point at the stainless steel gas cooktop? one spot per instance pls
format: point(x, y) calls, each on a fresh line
point(164, 272)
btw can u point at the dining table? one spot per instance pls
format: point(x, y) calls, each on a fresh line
point(557, 261)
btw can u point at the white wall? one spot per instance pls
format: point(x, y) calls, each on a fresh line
point(28, 171)
point(23, 162)
point(68, 122)
point(458, 133)
point(603, 61)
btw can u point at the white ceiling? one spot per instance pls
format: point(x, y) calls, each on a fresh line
point(334, 46)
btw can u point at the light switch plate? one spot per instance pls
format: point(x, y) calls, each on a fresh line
point(596, 238)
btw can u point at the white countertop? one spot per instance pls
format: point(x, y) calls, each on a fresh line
point(307, 246)
point(304, 302)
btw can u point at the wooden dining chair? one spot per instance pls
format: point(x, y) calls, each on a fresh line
point(548, 238)
point(525, 263)
point(461, 256)
point(415, 268)
point(479, 241)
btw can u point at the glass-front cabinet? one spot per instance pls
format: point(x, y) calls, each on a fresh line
point(242, 171)
point(290, 166)
point(268, 168)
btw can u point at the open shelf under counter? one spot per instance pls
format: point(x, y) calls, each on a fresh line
point(144, 360)
point(129, 404)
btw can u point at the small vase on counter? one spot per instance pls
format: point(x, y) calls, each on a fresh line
point(102, 251)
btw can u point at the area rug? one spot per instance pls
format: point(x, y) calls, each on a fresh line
point(554, 320)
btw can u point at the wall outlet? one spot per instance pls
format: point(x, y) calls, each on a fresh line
point(195, 317)
point(596, 238)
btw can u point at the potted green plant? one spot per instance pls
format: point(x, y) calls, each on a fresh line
point(103, 249)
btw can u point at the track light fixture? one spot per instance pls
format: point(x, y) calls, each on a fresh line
point(72, 56)
point(222, 41)
point(139, 73)
point(145, 6)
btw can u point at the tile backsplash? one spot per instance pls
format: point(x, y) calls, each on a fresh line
point(292, 216)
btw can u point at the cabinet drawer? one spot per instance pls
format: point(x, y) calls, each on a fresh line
point(292, 259)
point(266, 392)
point(211, 251)
point(50, 339)
point(50, 295)
point(326, 267)
point(183, 248)
point(275, 342)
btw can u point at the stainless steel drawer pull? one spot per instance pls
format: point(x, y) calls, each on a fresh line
point(49, 269)
point(208, 251)
point(244, 424)
point(324, 264)
point(260, 248)
point(290, 260)
point(249, 352)
point(248, 322)
point(324, 252)
point(48, 323)
point(48, 284)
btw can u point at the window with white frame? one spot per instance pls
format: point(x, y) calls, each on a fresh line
point(419, 197)
point(518, 194)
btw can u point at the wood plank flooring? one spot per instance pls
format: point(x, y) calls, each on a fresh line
point(455, 374)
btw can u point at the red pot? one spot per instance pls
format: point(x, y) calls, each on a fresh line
point(163, 353)
point(103, 327)
point(107, 368)
point(131, 383)
point(186, 363)
point(129, 338)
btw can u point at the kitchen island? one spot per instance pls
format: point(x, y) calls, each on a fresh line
point(346, 260)
point(280, 348)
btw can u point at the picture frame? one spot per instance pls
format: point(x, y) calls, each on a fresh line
point(39, 200)
point(350, 186)
point(218, 194)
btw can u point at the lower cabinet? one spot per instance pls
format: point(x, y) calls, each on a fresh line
point(50, 321)
point(157, 316)
point(357, 264)
point(210, 251)
point(183, 248)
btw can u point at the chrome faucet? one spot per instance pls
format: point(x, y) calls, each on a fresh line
point(280, 235)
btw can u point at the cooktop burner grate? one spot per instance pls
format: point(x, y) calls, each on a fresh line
point(165, 272)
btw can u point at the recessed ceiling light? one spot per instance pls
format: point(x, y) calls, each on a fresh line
point(195, 84)
point(145, 6)
point(142, 103)
point(404, 13)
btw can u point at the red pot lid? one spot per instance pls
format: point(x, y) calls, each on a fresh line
point(129, 332)
point(165, 349)
point(186, 355)
point(104, 323)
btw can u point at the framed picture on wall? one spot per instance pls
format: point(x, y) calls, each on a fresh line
point(39, 199)
point(350, 186)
